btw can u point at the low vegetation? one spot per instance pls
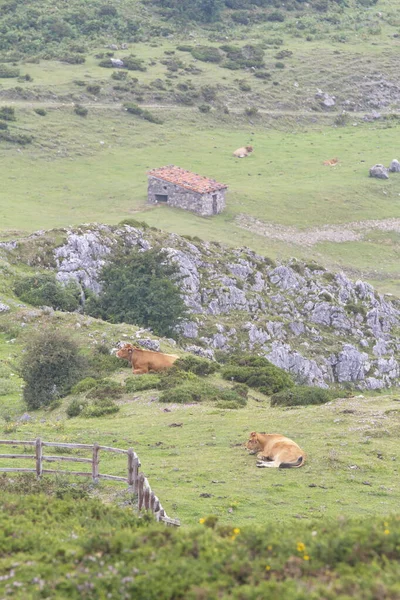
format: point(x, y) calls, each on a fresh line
point(302, 396)
point(258, 373)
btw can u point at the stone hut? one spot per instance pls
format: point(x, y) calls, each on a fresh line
point(182, 189)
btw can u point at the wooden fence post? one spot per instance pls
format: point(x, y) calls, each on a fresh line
point(140, 491)
point(38, 447)
point(131, 480)
point(95, 463)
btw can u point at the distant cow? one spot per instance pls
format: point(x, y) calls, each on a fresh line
point(143, 361)
point(331, 163)
point(243, 152)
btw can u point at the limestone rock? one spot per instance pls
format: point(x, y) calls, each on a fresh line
point(379, 171)
point(394, 166)
point(4, 307)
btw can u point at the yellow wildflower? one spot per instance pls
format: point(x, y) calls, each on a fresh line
point(236, 531)
point(269, 548)
point(300, 547)
point(306, 557)
point(201, 521)
point(267, 568)
point(386, 532)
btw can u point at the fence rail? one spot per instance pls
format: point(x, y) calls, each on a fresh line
point(137, 482)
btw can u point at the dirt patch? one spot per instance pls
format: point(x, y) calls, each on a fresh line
point(349, 232)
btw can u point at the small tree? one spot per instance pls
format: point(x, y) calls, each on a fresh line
point(51, 365)
point(140, 288)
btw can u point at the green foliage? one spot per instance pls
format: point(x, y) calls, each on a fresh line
point(105, 389)
point(84, 385)
point(251, 111)
point(204, 11)
point(194, 364)
point(134, 109)
point(200, 562)
point(204, 108)
point(258, 373)
point(302, 396)
point(75, 407)
point(140, 288)
point(100, 407)
point(207, 54)
point(101, 362)
point(93, 89)
point(119, 75)
point(80, 110)
point(16, 138)
point(40, 111)
point(356, 308)
point(3, 125)
point(200, 391)
point(43, 289)
point(73, 59)
point(139, 383)
point(132, 63)
point(50, 366)
point(7, 113)
point(7, 386)
point(7, 72)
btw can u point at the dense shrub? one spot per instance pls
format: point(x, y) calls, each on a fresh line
point(16, 138)
point(93, 88)
point(139, 383)
point(251, 111)
point(301, 395)
point(207, 54)
point(73, 59)
point(135, 109)
point(101, 362)
point(84, 385)
point(119, 75)
point(194, 364)
point(80, 110)
point(3, 125)
point(43, 289)
point(106, 388)
point(100, 407)
point(76, 407)
point(132, 63)
point(40, 111)
point(200, 391)
point(7, 72)
point(7, 113)
point(50, 366)
point(140, 288)
point(204, 108)
point(257, 372)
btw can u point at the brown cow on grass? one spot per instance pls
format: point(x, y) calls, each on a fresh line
point(143, 361)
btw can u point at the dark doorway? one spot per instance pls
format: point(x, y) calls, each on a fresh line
point(161, 198)
point(215, 204)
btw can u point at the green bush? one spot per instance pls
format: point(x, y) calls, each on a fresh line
point(40, 111)
point(106, 389)
point(251, 111)
point(200, 391)
point(135, 109)
point(7, 386)
point(301, 396)
point(119, 75)
point(132, 63)
point(93, 88)
point(154, 298)
point(194, 364)
point(73, 59)
point(7, 72)
point(173, 377)
point(258, 373)
point(184, 48)
point(244, 86)
point(100, 407)
point(139, 383)
point(50, 366)
point(3, 125)
point(84, 385)
point(75, 407)
point(16, 138)
point(80, 110)
point(207, 54)
point(101, 362)
point(204, 108)
point(43, 289)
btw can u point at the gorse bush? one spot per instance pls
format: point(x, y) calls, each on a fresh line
point(194, 364)
point(139, 383)
point(100, 407)
point(135, 109)
point(105, 389)
point(302, 396)
point(44, 290)
point(84, 385)
point(140, 288)
point(75, 407)
point(50, 366)
point(257, 372)
point(196, 390)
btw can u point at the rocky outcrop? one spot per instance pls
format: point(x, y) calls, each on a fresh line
point(321, 327)
point(379, 171)
point(394, 166)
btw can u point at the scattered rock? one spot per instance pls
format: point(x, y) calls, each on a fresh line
point(394, 166)
point(25, 418)
point(205, 495)
point(175, 425)
point(4, 308)
point(366, 483)
point(379, 171)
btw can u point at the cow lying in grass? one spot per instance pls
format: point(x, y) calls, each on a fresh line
point(143, 361)
point(243, 152)
point(275, 450)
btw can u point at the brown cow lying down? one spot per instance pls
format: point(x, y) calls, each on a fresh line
point(275, 450)
point(143, 361)
point(243, 152)
point(331, 163)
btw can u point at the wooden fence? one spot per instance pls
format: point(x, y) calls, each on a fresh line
point(137, 482)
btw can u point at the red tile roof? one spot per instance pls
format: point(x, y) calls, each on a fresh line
point(186, 179)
